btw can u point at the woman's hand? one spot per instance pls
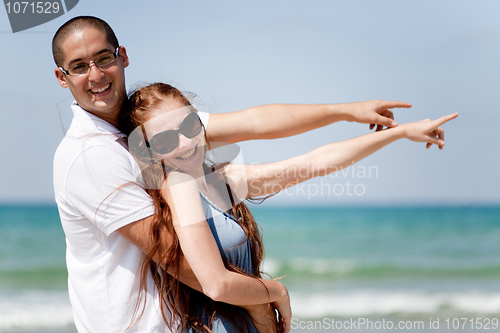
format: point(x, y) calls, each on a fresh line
point(427, 130)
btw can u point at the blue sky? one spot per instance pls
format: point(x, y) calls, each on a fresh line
point(441, 56)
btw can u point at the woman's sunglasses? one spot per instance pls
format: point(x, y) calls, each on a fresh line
point(166, 141)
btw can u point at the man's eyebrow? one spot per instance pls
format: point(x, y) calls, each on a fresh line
point(94, 55)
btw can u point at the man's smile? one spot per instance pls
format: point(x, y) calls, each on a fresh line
point(100, 90)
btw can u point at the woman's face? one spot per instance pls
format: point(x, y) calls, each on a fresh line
point(175, 135)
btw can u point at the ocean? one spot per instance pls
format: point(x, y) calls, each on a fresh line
point(361, 269)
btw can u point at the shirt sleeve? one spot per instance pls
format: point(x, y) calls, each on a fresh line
point(103, 184)
point(204, 116)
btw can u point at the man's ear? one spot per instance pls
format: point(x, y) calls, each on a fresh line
point(122, 53)
point(61, 78)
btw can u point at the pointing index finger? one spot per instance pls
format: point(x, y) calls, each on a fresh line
point(444, 119)
point(395, 104)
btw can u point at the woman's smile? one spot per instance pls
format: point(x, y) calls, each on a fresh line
point(187, 155)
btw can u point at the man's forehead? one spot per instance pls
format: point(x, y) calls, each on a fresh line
point(84, 42)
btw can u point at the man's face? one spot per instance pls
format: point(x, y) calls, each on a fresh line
point(100, 91)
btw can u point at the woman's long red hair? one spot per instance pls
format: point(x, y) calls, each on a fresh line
point(178, 302)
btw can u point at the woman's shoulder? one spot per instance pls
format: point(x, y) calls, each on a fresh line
point(236, 178)
point(181, 189)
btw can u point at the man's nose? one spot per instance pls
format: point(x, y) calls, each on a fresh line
point(95, 73)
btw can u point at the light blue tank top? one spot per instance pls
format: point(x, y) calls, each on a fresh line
point(232, 243)
point(230, 237)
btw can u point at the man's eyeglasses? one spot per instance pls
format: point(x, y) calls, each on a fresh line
point(166, 141)
point(82, 67)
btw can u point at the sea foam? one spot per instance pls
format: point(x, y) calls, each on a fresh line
point(385, 302)
point(31, 309)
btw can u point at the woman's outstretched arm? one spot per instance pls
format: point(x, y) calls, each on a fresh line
point(259, 180)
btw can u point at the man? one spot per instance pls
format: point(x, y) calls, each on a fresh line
point(105, 215)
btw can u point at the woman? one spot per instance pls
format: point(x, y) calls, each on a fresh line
point(212, 228)
point(160, 107)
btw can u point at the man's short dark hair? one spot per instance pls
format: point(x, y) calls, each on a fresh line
point(77, 24)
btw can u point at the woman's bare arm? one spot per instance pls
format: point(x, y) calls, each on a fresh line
point(259, 180)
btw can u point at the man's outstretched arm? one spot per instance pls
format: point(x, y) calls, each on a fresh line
point(283, 120)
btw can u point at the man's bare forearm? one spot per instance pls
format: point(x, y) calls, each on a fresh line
point(139, 234)
point(272, 121)
point(282, 120)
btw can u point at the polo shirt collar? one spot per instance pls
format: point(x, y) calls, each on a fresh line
point(85, 123)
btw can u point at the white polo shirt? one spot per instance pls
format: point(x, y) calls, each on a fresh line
point(96, 190)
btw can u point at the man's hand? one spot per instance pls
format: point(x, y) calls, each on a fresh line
point(285, 313)
point(263, 317)
point(375, 112)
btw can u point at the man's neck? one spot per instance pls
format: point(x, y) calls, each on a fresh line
point(112, 120)
point(110, 117)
